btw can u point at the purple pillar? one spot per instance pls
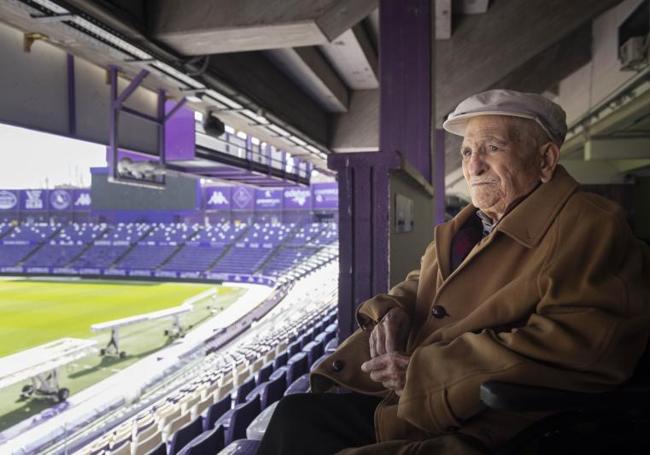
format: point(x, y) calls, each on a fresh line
point(439, 177)
point(405, 134)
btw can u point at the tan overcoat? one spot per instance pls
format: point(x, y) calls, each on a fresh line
point(558, 295)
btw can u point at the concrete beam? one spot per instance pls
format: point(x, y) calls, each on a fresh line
point(473, 6)
point(358, 129)
point(486, 48)
point(197, 27)
point(255, 76)
point(309, 69)
point(617, 149)
point(443, 19)
point(354, 58)
point(597, 172)
point(553, 64)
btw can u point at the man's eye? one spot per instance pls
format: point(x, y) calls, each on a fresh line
point(466, 153)
point(493, 148)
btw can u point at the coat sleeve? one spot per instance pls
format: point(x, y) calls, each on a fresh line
point(402, 295)
point(589, 329)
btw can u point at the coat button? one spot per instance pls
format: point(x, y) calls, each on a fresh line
point(438, 311)
point(452, 429)
point(338, 365)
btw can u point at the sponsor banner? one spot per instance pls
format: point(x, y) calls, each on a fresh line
point(90, 271)
point(65, 271)
point(15, 242)
point(190, 275)
point(166, 274)
point(115, 272)
point(243, 198)
point(216, 197)
point(61, 200)
point(81, 201)
point(325, 195)
point(12, 269)
point(297, 197)
point(8, 200)
point(216, 276)
point(31, 200)
point(140, 273)
point(38, 270)
point(268, 199)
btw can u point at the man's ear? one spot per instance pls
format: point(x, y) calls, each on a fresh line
point(550, 155)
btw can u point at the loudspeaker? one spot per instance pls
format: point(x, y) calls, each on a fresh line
point(212, 125)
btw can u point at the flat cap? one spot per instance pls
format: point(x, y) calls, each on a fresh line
point(549, 115)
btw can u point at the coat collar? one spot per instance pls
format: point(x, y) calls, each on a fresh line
point(526, 223)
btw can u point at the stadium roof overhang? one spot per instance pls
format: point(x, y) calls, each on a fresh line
point(311, 70)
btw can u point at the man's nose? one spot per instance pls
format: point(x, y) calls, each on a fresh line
point(476, 165)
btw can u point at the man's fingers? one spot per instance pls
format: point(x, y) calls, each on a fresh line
point(372, 341)
point(380, 345)
point(376, 363)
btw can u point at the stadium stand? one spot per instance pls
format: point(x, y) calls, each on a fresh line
point(165, 249)
point(228, 396)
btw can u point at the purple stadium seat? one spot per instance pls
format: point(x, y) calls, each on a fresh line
point(294, 348)
point(216, 411)
point(318, 361)
point(270, 391)
point(300, 385)
point(296, 367)
point(184, 435)
point(243, 447)
point(331, 345)
point(244, 390)
point(207, 443)
point(280, 360)
point(237, 419)
point(264, 373)
point(314, 350)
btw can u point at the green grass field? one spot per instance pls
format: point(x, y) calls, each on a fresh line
point(35, 312)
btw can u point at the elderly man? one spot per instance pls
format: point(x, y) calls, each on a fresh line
point(535, 282)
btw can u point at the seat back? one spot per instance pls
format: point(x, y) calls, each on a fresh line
point(273, 391)
point(242, 416)
point(207, 443)
point(294, 348)
point(215, 411)
point(296, 367)
point(265, 373)
point(147, 445)
point(184, 435)
point(244, 389)
point(280, 360)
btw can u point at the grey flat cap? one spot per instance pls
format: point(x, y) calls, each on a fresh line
point(549, 115)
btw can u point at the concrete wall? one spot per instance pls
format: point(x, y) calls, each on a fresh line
point(34, 88)
point(595, 81)
point(407, 248)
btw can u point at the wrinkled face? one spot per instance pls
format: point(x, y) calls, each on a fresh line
point(498, 166)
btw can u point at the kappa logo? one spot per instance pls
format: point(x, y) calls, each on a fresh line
point(83, 200)
point(60, 199)
point(8, 200)
point(34, 200)
point(241, 197)
point(217, 198)
point(298, 196)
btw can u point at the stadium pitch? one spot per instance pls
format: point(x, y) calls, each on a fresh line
point(34, 312)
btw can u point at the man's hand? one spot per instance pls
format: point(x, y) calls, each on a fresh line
point(390, 334)
point(389, 369)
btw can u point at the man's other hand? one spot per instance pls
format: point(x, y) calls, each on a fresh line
point(390, 334)
point(389, 369)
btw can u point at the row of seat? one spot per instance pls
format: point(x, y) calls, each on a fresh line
point(219, 398)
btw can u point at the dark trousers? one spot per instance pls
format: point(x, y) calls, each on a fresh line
point(320, 424)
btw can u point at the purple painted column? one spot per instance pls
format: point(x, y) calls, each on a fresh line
point(439, 177)
point(406, 81)
point(405, 131)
